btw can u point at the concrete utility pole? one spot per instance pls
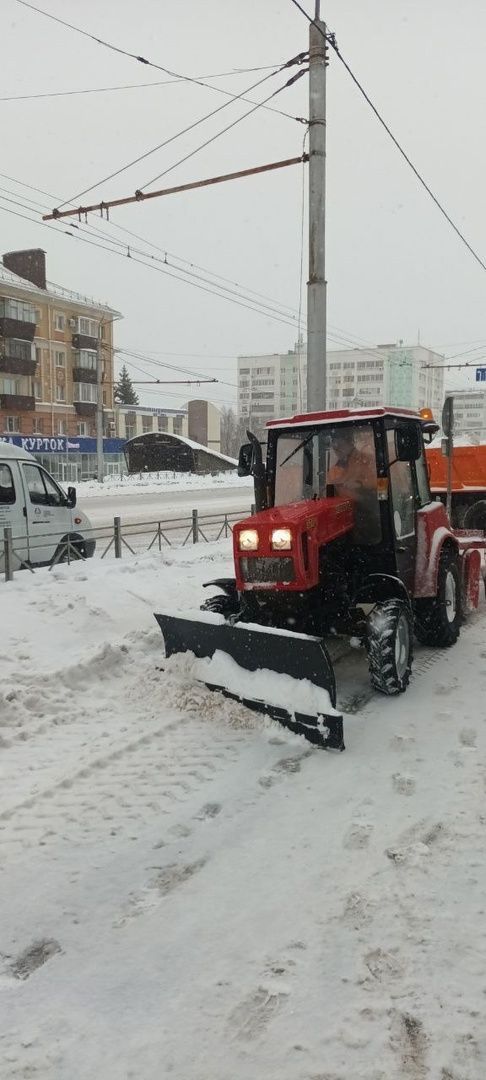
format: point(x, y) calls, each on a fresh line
point(100, 465)
point(316, 286)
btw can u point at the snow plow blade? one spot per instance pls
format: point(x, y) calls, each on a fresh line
point(287, 676)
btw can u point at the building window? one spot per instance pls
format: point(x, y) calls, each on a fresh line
point(163, 423)
point(16, 309)
point(85, 392)
point(147, 424)
point(86, 358)
point(37, 389)
point(59, 321)
point(82, 429)
point(62, 427)
point(88, 327)
point(244, 371)
point(12, 423)
point(37, 426)
point(9, 386)
point(177, 425)
point(60, 392)
point(60, 359)
point(18, 350)
point(130, 429)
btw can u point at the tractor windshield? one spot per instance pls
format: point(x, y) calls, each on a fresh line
point(341, 457)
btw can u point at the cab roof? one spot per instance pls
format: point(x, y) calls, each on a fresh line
point(341, 416)
point(8, 450)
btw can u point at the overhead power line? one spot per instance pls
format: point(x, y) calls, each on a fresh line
point(142, 86)
point(184, 131)
point(276, 305)
point(330, 38)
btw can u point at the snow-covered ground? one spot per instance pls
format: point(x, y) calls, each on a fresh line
point(156, 483)
point(187, 891)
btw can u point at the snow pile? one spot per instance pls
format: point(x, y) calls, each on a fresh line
point(190, 892)
point(156, 483)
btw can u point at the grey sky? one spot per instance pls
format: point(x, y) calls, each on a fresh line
point(393, 265)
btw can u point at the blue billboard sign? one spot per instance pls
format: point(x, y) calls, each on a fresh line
point(481, 374)
point(60, 444)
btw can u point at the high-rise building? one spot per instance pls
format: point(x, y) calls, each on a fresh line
point(274, 384)
point(50, 342)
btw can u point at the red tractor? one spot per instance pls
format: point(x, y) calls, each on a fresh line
point(346, 540)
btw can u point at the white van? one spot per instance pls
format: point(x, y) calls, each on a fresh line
point(42, 517)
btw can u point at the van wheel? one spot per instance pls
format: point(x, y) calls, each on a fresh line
point(390, 646)
point(438, 620)
point(63, 555)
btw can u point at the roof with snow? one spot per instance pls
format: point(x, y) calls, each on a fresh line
point(9, 280)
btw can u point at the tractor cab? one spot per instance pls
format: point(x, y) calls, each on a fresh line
point(363, 470)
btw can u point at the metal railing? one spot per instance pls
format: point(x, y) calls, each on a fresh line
point(19, 552)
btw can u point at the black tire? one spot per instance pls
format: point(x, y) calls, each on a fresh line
point(220, 605)
point(390, 646)
point(475, 516)
point(438, 620)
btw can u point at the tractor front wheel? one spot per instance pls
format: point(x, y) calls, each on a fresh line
point(390, 646)
point(438, 620)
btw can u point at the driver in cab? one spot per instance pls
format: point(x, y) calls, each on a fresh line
point(352, 470)
point(353, 475)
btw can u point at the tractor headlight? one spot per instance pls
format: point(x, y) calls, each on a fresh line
point(281, 539)
point(248, 540)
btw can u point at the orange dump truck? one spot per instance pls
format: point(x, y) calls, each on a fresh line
point(468, 483)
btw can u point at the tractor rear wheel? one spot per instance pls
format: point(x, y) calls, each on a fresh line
point(438, 620)
point(475, 516)
point(390, 646)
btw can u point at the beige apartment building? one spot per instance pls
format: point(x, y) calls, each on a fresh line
point(50, 341)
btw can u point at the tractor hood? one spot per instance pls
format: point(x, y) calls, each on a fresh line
point(279, 548)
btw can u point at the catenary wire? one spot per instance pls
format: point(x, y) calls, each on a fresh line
point(331, 40)
point(140, 86)
point(166, 142)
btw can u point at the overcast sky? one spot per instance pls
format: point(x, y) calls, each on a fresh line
point(394, 267)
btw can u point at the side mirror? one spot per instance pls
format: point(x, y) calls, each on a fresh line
point(245, 459)
point(408, 444)
point(71, 498)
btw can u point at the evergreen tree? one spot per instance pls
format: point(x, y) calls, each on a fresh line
point(124, 393)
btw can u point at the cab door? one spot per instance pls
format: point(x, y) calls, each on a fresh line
point(48, 516)
point(403, 500)
point(12, 513)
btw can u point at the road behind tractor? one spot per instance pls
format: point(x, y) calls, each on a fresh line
point(345, 541)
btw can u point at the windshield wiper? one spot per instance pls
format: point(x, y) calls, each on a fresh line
point(296, 449)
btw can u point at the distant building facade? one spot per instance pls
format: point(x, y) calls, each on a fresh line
point(273, 385)
point(134, 420)
point(50, 342)
point(470, 412)
point(204, 424)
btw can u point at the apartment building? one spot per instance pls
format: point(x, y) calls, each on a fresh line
point(470, 412)
point(273, 385)
point(50, 340)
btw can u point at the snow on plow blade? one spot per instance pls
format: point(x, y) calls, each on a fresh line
point(285, 675)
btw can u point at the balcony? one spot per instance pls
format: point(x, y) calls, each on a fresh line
point(15, 328)
point(14, 365)
point(85, 408)
point(83, 374)
point(82, 341)
point(17, 402)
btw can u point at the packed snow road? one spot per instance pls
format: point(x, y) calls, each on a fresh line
point(188, 891)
